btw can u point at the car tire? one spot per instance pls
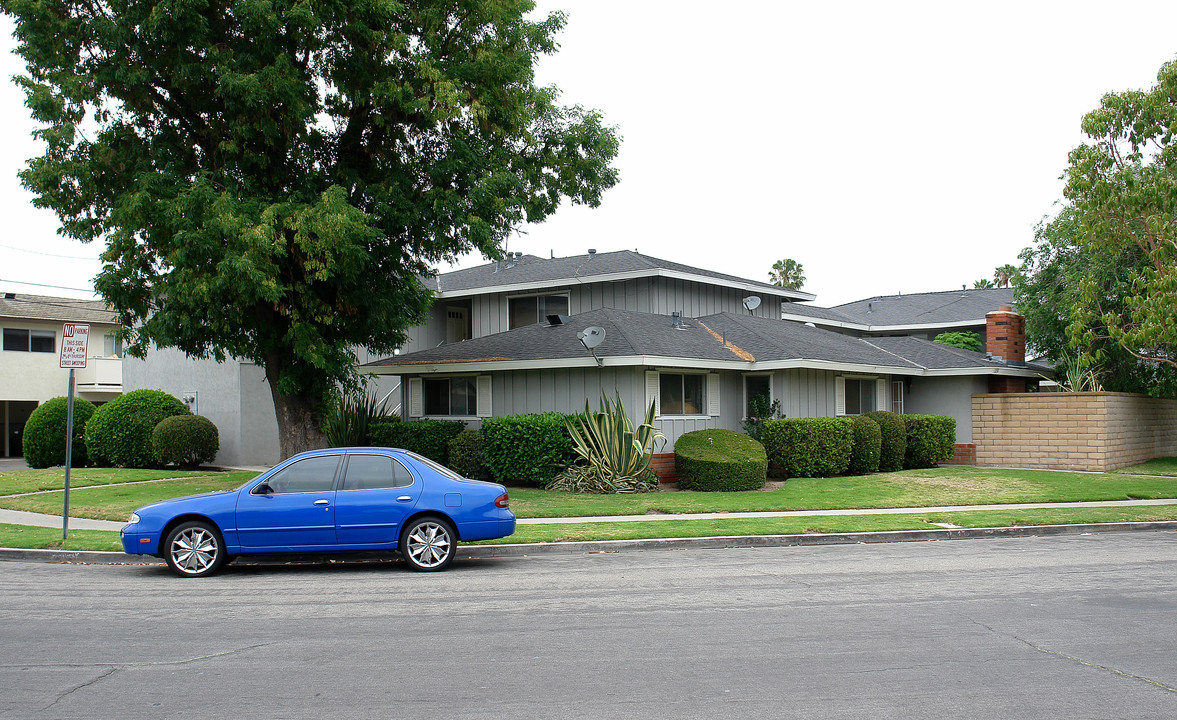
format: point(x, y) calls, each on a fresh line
point(428, 544)
point(194, 549)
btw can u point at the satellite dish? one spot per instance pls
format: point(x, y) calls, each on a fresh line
point(751, 302)
point(591, 337)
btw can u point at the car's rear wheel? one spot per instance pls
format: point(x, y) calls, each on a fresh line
point(428, 544)
point(194, 549)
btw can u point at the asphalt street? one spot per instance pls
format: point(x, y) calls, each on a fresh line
point(1039, 627)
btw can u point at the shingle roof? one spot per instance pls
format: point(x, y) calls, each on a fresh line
point(935, 308)
point(41, 307)
point(721, 338)
point(531, 269)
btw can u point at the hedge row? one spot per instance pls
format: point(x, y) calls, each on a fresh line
point(124, 432)
point(430, 438)
point(824, 447)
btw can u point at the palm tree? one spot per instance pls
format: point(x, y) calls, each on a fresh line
point(1003, 275)
point(983, 283)
point(787, 273)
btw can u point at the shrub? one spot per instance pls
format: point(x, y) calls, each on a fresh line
point(719, 461)
point(963, 340)
point(119, 432)
point(894, 433)
point(185, 440)
point(466, 455)
point(930, 439)
point(615, 453)
point(44, 435)
point(868, 442)
point(760, 411)
point(348, 416)
point(809, 447)
point(529, 449)
point(430, 438)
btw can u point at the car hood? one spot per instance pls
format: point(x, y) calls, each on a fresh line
point(173, 502)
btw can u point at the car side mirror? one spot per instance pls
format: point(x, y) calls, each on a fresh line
point(263, 488)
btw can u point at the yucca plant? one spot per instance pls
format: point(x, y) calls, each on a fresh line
point(616, 453)
point(1079, 377)
point(349, 415)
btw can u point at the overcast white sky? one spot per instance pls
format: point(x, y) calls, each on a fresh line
point(888, 147)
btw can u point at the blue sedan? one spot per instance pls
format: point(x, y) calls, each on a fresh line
point(337, 500)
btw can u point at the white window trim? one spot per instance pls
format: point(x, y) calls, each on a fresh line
point(711, 393)
point(840, 392)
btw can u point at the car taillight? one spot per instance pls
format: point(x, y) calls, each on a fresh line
point(502, 501)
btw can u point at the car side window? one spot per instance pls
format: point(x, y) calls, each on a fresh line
point(313, 474)
point(371, 472)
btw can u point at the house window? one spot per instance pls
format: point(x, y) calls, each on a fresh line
point(534, 308)
point(111, 346)
point(861, 395)
point(451, 396)
point(681, 394)
point(756, 386)
point(42, 341)
point(897, 397)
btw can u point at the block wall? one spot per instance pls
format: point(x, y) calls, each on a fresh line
point(1072, 431)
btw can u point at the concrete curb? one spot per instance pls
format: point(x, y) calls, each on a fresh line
point(476, 552)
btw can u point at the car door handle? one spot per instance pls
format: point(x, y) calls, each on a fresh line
point(321, 502)
point(404, 498)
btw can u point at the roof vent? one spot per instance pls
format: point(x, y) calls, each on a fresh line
point(676, 321)
point(592, 251)
point(9, 296)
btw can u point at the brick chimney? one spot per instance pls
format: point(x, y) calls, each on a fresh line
point(1005, 341)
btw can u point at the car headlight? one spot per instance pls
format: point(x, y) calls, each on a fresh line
point(134, 519)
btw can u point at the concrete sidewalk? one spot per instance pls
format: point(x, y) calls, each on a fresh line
point(18, 517)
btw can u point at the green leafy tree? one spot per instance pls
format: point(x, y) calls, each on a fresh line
point(1047, 291)
point(982, 283)
point(1004, 275)
point(1123, 187)
point(787, 273)
point(963, 340)
point(271, 178)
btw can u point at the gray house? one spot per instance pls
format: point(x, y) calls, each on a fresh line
point(924, 315)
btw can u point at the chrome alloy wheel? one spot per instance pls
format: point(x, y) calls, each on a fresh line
point(194, 550)
point(428, 545)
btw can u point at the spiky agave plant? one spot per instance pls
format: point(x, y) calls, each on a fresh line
point(617, 454)
point(350, 414)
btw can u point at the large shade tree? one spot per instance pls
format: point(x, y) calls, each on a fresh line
point(272, 177)
point(1123, 188)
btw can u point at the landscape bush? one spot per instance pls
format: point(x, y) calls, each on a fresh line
point(118, 434)
point(43, 442)
point(188, 441)
point(809, 447)
point(868, 442)
point(719, 461)
point(466, 456)
point(931, 439)
point(530, 449)
point(430, 438)
point(894, 436)
point(614, 455)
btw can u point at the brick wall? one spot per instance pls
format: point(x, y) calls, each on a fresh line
point(963, 454)
point(1072, 431)
point(663, 466)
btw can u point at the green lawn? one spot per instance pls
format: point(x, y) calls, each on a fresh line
point(116, 502)
point(1160, 466)
point(22, 481)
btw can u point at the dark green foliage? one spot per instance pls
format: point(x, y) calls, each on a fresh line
point(467, 456)
point(719, 461)
point(119, 432)
point(809, 447)
point(44, 435)
point(894, 434)
point(272, 178)
point(963, 340)
point(761, 410)
point(529, 449)
point(930, 439)
point(430, 438)
point(868, 444)
point(348, 416)
point(185, 440)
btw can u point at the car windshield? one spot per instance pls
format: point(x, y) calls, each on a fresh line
point(437, 468)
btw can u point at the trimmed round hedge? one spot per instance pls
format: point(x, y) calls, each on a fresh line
point(185, 440)
point(810, 447)
point(44, 434)
point(931, 439)
point(894, 434)
point(119, 432)
point(719, 461)
point(868, 443)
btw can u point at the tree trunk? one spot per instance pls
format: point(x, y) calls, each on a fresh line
point(298, 423)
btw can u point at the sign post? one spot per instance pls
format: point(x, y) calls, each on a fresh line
point(75, 341)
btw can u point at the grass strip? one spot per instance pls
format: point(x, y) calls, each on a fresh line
point(116, 502)
point(20, 536)
point(13, 482)
point(1159, 466)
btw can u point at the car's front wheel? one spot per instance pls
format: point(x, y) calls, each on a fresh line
point(194, 549)
point(428, 544)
